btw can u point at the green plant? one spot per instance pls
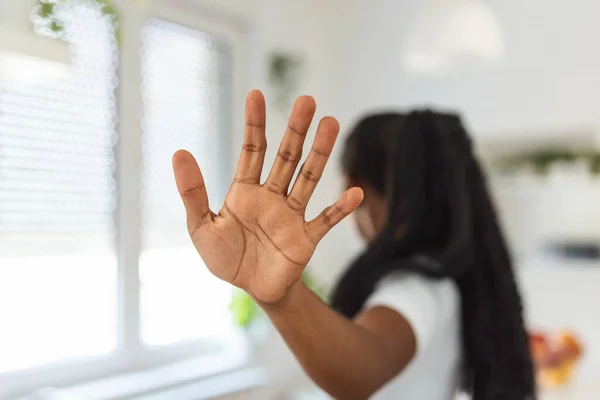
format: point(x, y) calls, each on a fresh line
point(284, 77)
point(542, 160)
point(48, 13)
point(245, 311)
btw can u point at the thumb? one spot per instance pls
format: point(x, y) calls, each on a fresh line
point(192, 190)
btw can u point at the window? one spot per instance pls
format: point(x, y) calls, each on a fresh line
point(186, 93)
point(57, 198)
point(72, 190)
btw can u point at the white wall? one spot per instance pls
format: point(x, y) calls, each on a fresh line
point(548, 78)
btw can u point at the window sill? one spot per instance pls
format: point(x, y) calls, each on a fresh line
point(204, 377)
point(184, 367)
point(230, 383)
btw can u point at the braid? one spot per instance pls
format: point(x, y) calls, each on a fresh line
point(441, 223)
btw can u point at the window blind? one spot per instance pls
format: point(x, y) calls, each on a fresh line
point(186, 85)
point(57, 187)
point(57, 198)
point(186, 91)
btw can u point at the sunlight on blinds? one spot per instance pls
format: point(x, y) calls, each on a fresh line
point(57, 198)
point(186, 83)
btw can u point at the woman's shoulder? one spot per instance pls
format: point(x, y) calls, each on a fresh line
point(427, 304)
point(412, 287)
point(405, 280)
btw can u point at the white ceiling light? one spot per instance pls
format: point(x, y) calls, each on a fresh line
point(447, 33)
point(24, 55)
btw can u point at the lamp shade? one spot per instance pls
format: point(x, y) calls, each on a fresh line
point(447, 33)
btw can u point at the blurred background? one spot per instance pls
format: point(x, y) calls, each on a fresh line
point(102, 295)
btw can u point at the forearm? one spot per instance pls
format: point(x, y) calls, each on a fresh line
point(344, 359)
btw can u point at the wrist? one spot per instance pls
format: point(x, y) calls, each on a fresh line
point(285, 301)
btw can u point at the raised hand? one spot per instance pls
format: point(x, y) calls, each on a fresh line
point(259, 241)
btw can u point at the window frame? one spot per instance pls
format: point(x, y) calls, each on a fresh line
point(130, 354)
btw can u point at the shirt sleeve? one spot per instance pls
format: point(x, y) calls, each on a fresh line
point(415, 298)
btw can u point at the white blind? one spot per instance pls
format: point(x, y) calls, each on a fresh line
point(57, 190)
point(186, 86)
point(57, 197)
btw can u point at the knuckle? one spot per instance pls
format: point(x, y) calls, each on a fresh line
point(295, 204)
point(253, 147)
point(337, 210)
point(255, 125)
point(296, 130)
point(195, 224)
point(275, 187)
point(310, 176)
point(193, 191)
point(328, 219)
point(321, 153)
point(311, 237)
point(243, 181)
point(332, 215)
point(287, 156)
point(193, 227)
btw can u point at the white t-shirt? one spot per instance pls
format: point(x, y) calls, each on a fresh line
point(432, 308)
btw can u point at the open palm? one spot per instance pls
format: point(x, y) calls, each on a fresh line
point(259, 241)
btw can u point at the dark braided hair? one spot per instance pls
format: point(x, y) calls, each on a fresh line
point(441, 224)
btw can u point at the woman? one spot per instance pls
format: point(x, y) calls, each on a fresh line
point(436, 257)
